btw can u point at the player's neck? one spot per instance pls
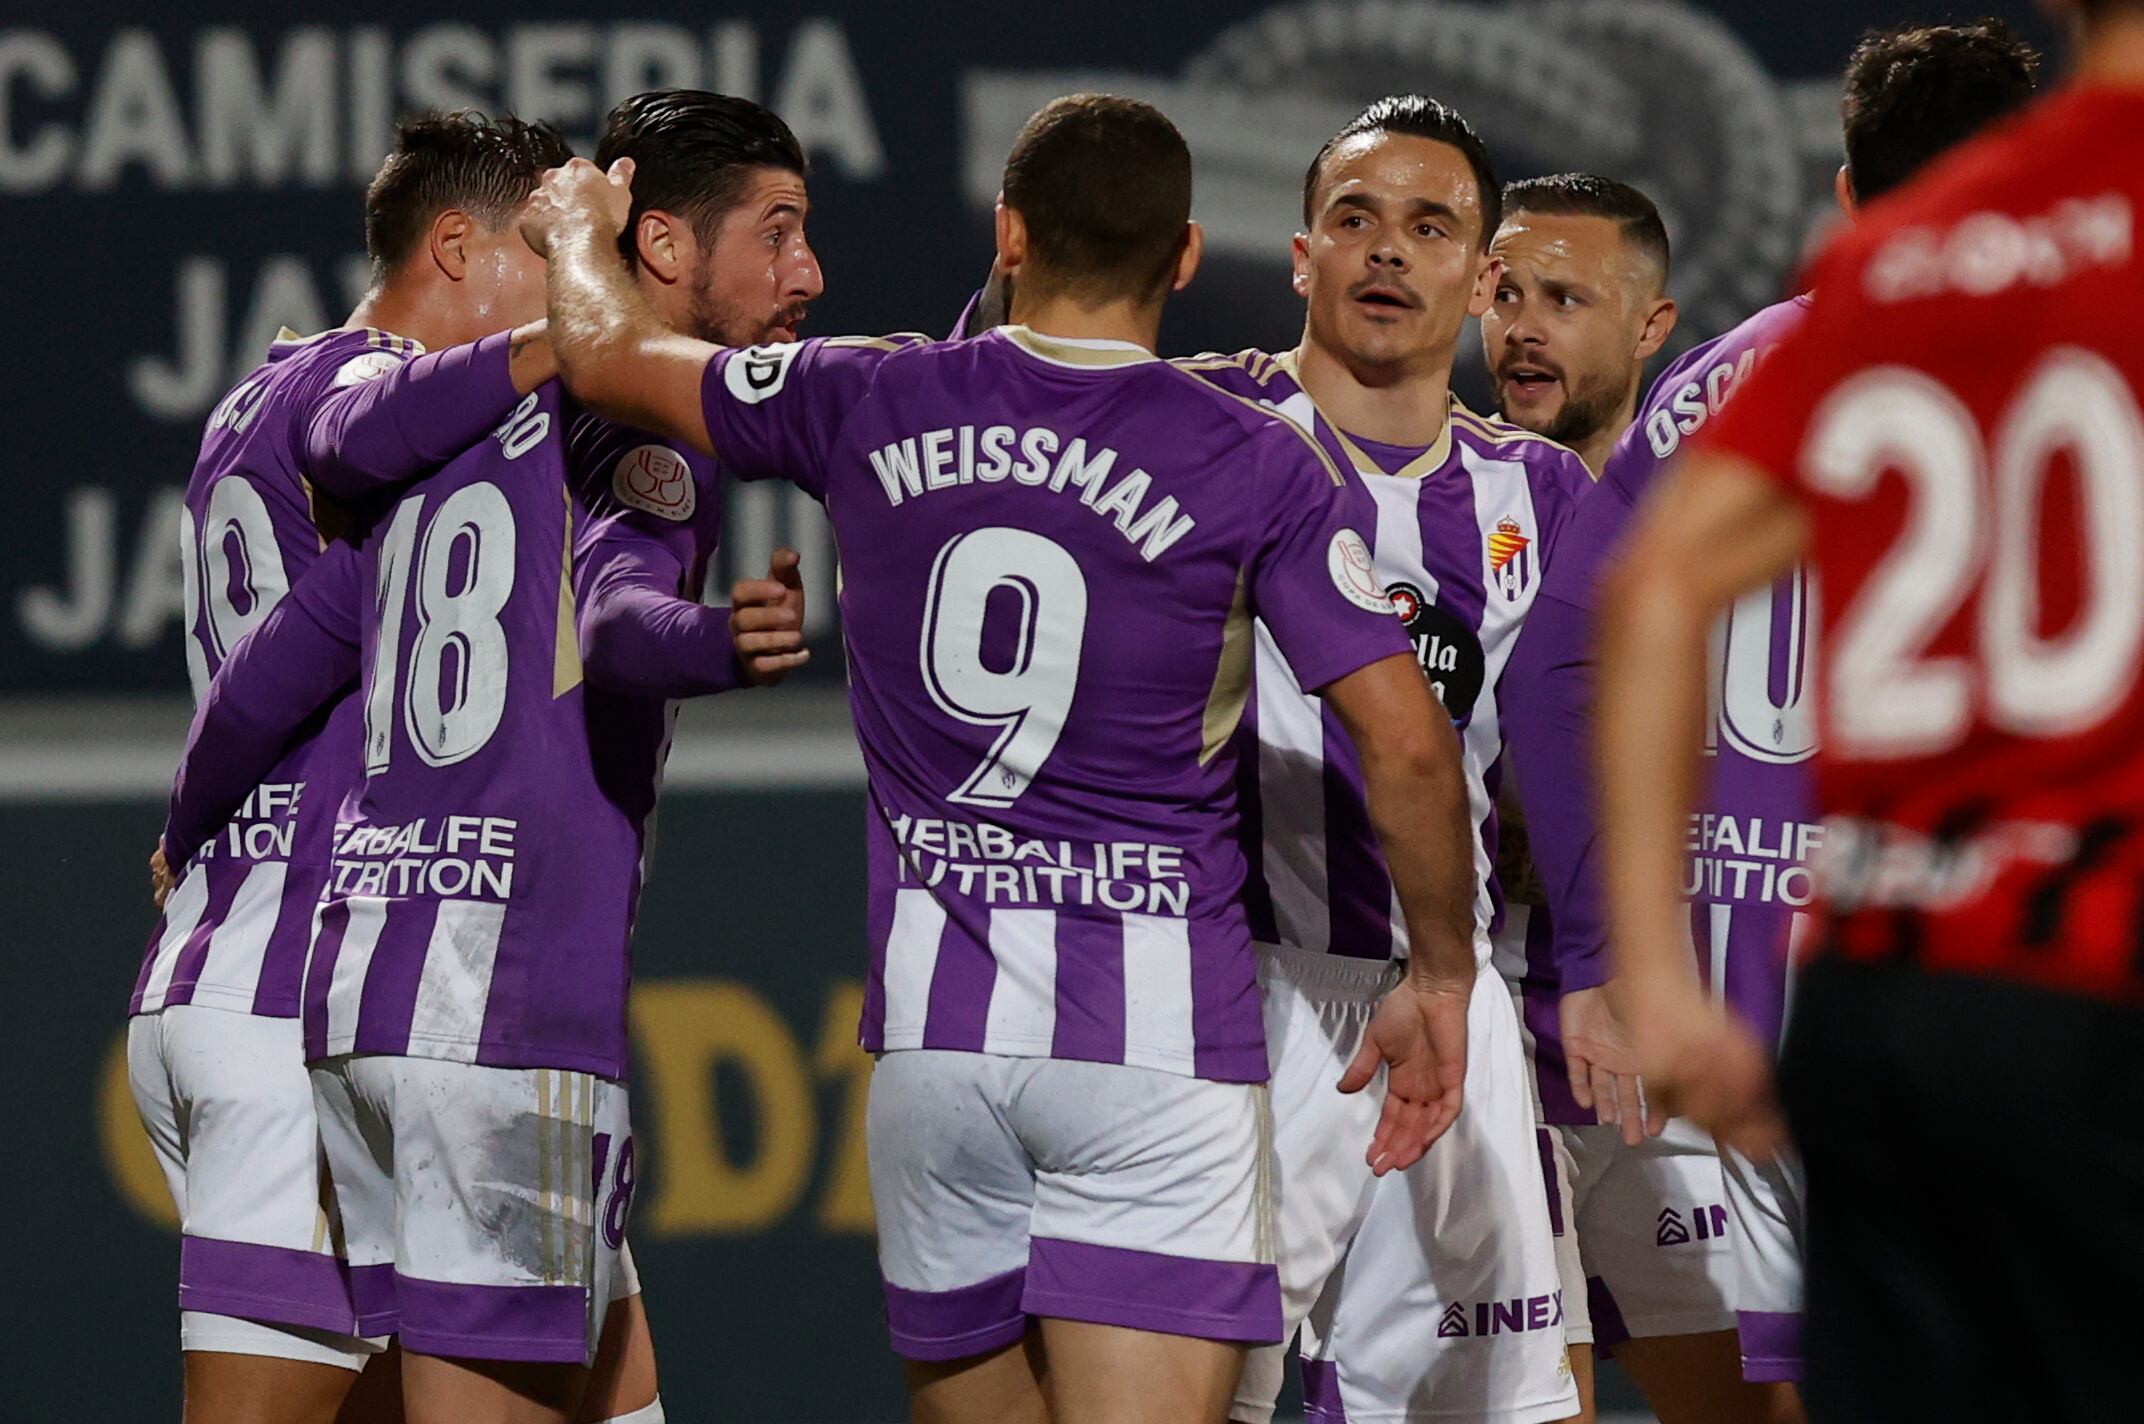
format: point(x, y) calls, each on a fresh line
point(2112, 54)
point(1391, 406)
point(1595, 449)
point(1136, 322)
point(393, 306)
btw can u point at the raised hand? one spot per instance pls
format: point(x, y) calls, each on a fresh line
point(767, 621)
point(579, 194)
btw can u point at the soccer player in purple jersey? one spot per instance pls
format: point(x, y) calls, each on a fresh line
point(1053, 548)
point(1910, 95)
point(1432, 1293)
point(454, 992)
point(267, 1324)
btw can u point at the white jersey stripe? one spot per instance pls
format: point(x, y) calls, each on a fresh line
point(1291, 798)
point(181, 914)
point(240, 944)
point(911, 962)
point(455, 986)
point(1023, 996)
point(367, 916)
point(1157, 993)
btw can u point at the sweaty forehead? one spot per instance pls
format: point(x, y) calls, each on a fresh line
point(772, 187)
point(1394, 169)
point(1570, 247)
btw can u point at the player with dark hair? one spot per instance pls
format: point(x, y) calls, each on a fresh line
point(1431, 1294)
point(1053, 546)
point(1953, 444)
point(268, 1324)
point(1581, 306)
point(1687, 1309)
point(1913, 94)
point(465, 1000)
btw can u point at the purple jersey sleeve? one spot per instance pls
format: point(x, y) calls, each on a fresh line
point(648, 517)
point(378, 421)
point(1310, 578)
point(774, 412)
point(301, 655)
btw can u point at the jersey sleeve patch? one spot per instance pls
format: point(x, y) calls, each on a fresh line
point(656, 479)
point(365, 366)
point(759, 372)
point(1347, 558)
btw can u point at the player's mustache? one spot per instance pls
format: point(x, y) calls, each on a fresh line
point(1385, 285)
point(791, 316)
point(1504, 367)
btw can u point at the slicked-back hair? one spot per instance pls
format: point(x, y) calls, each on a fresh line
point(693, 154)
point(1417, 116)
point(1104, 186)
point(1589, 195)
point(461, 160)
point(1913, 93)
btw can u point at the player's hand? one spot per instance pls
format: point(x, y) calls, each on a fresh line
point(579, 194)
point(1703, 1063)
point(161, 880)
point(1604, 1067)
point(767, 621)
point(1419, 1035)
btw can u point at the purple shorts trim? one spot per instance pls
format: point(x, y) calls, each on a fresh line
point(1771, 1345)
point(372, 1290)
point(277, 1284)
point(1321, 1393)
point(1609, 1330)
point(533, 1324)
point(1146, 1290)
point(1545, 1139)
point(955, 1324)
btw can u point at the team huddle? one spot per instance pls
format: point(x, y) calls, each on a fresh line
point(1218, 1001)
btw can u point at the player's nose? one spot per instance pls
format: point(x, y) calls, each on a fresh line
point(807, 281)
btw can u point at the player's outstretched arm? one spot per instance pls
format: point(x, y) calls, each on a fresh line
point(376, 434)
point(1416, 789)
point(1715, 529)
point(1547, 699)
point(302, 654)
point(639, 636)
point(617, 358)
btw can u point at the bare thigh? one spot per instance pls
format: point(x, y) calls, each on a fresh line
point(1697, 1379)
point(258, 1389)
point(1002, 1387)
point(1106, 1374)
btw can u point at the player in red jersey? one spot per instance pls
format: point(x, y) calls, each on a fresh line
point(1954, 440)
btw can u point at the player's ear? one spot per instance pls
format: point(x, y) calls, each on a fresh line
point(1485, 283)
point(1011, 237)
point(1299, 260)
point(659, 240)
point(1187, 261)
point(448, 243)
point(1660, 321)
point(1842, 188)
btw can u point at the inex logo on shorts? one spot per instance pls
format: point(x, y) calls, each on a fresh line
point(1515, 1316)
point(1450, 654)
point(655, 479)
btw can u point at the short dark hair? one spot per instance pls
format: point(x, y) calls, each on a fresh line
point(1418, 116)
point(1913, 93)
point(693, 151)
point(1104, 186)
point(483, 166)
point(1589, 195)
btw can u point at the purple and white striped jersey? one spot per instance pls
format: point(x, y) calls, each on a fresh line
point(1748, 876)
point(483, 873)
point(1052, 552)
point(1462, 531)
point(322, 419)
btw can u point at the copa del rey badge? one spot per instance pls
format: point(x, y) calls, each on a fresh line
point(655, 479)
point(1347, 558)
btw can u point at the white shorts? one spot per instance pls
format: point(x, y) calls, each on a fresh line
point(1768, 1201)
point(1012, 1188)
point(1426, 1294)
point(484, 1208)
point(1653, 1233)
point(228, 1108)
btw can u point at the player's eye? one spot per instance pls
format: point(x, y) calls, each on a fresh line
point(1428, 230)
point(1507, 294)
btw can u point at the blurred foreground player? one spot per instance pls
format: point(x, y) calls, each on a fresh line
point(267, 1322)
point(1429, 1294)
point(1053, 546)
point(1953, 440)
